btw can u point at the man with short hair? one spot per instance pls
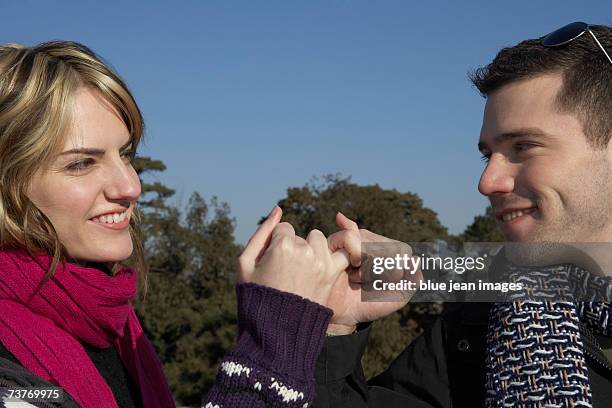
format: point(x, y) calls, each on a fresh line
point(546, 142)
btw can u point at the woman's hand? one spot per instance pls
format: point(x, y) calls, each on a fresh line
point(277, 258)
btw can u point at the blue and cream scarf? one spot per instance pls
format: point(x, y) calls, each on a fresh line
point(535, 350)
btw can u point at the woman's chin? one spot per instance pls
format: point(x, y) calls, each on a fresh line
point(106, 256)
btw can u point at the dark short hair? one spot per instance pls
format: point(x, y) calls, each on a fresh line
point(586, 73)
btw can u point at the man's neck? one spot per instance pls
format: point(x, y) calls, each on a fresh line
point(595, 257)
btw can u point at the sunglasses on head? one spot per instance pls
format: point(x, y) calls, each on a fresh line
point(569, 33)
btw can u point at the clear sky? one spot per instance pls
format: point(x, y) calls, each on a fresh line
point(243, 99)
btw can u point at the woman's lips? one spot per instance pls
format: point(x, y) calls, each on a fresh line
point(114, 225)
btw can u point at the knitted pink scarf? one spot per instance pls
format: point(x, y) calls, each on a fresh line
point(43, 329)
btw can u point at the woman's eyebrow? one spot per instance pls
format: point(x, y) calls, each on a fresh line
point(93, 151)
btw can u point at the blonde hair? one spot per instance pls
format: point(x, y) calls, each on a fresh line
point(37, 89)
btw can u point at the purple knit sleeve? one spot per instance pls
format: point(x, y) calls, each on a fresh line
point(273, 361)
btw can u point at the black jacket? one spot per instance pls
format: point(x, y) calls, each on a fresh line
point(14, 376)
point(443, 367)
point(107, 361)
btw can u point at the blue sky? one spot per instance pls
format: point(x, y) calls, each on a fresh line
point(243, 99)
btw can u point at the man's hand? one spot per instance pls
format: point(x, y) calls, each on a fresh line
point(345, 299)
point(277, 258)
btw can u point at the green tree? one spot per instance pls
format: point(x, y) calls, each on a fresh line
point(483, 229)
point(189, 311)
point(396, 215)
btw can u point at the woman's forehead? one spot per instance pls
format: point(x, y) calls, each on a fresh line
point(94, 123)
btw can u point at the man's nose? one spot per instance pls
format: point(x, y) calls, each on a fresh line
point(498, 177)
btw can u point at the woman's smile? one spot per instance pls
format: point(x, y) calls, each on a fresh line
point(115, 221)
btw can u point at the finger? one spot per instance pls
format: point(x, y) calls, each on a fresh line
point(259, 241)
point(306, 250)
point(369, 236)
point(350, 241)
point(354, 275)
point(316, 240)
point(345, 223)
point(300, 241)
point(283, 231)
point(341, 260)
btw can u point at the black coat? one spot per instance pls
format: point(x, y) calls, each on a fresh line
point(14, 376)
point(444, 367)
point(107, 361)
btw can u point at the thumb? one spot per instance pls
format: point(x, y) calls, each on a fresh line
point(343, 222)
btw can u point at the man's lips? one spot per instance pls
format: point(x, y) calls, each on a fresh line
point(508, 214)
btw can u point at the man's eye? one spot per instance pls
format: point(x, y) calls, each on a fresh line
point(523, 146)
point(484, 157)
point(81, 165)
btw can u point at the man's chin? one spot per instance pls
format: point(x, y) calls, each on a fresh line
point(516, 236)
point(521, 229)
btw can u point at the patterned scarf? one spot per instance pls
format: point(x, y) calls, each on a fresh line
point(535, 350)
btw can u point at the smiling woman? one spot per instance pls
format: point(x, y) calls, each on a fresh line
point(56, 97)
point(94, 170)
point(69, 128)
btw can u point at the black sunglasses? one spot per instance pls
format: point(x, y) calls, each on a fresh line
point(569, 33)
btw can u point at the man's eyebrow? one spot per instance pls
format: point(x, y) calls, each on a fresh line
point(527, 132)
point(93, 151)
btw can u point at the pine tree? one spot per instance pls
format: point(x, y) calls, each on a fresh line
point(189, 312)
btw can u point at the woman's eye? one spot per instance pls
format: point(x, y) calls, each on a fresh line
point(81, 164)
point(128, 154)
point(484, 157)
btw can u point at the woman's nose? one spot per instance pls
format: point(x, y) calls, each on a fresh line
point(123, 182)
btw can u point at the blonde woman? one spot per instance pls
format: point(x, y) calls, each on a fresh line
point(69, 129)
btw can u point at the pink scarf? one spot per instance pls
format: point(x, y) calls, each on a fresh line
point(43, 329)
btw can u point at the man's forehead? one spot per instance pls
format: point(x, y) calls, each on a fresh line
point(524, 107)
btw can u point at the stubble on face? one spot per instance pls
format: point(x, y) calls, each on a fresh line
point(565, 177)
point(584, 212)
